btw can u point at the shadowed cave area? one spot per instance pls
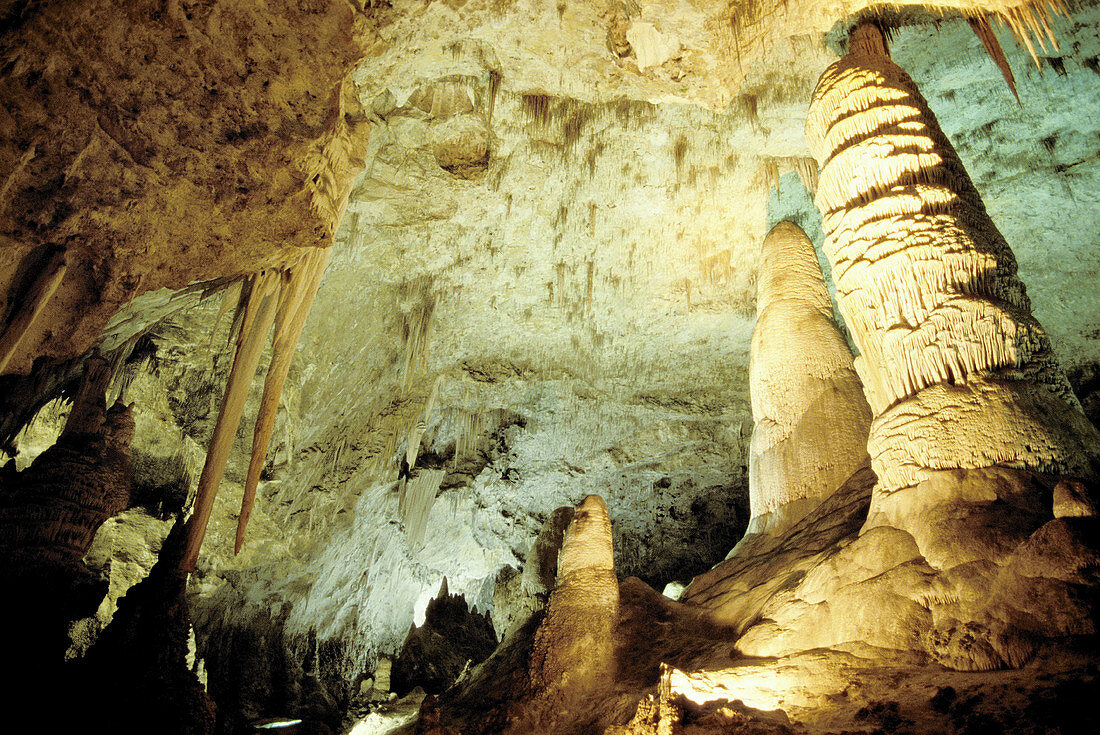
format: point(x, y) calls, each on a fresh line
point(619, 367)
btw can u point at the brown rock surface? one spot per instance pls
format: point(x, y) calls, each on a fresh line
point(161, 144)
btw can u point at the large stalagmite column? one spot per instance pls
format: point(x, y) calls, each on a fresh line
point(958, 373)
point(810, 417)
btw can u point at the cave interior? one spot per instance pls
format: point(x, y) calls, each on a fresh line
point(635, 367)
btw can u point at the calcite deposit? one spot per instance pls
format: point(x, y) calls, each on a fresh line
point(494, 258)
point(810, 419)
point(573, 654)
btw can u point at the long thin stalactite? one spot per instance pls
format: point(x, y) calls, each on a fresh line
point(296, 298)
point(259, 313)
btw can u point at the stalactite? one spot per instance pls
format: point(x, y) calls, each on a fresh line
point(806, 168)
point(494, 88)
point(771, 176)
point(416, 431)
point(416, 501)
point(258, 316)
point(980, 26)
point(416, 327)
point(1030, 18)
point(231, 298)
point(295, 299)
point(25, 316)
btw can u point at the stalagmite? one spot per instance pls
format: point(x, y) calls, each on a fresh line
point(984, 462)
point(573, 653)
point(86, 415)
point(258, 316)
point(811, 420)
point(49, 514)
point(295, 299)
point(24, 317)
point(957, 371)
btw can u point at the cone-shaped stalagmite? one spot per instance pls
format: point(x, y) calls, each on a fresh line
point(573, 652)
point(808, 466)
point(957, 371)
point(810, 417)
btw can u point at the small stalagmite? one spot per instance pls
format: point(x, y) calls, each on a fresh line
point(810, 417)
point(573, 652)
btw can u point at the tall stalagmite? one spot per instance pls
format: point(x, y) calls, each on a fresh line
point(573, 647)
point(49, 514)
point(958, 372)
point(810, 417)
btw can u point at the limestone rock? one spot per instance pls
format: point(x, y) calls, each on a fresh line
point(767, 565)
point(573, 647)
point(137, 671)
point(173, 144)
point(452, 639)
point(810, 417)
point(461, 146)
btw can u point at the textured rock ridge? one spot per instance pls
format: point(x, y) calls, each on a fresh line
point(52, 509)
point(810, 417)
point(957, 371)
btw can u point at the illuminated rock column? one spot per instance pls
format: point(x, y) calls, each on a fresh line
point(574, 652)
point(958, 373)
point(810, 417)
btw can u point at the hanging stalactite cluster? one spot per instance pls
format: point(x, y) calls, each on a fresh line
point(281, 297)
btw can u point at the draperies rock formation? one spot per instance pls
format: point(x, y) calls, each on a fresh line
point(810, 419)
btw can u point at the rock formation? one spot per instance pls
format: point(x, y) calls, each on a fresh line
point(166, 144)
point(974, 425)
point(556, 221)
point(49, 514)
point(957, 371)
point(451, 641)
point(809, 482)
point(573, 652)
point(137, 673)
point(810, 418)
